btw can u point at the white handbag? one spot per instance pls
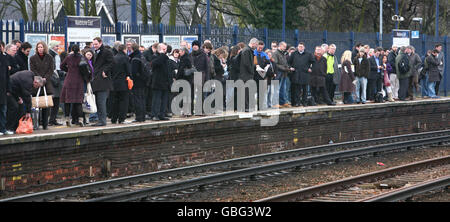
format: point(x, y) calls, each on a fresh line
point(42, 101)
point(89, 105)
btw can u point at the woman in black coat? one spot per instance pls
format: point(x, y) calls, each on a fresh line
point(318, 75)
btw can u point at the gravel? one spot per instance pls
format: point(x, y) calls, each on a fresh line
point(246, 189)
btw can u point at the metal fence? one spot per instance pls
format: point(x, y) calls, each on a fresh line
point(221, 36)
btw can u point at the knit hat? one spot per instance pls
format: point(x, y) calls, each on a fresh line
point(196, 42)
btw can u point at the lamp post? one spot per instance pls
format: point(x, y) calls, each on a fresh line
point(283, 34)
point(208, 13)
point(436, 32)
point(396, 12)
point(381, 23)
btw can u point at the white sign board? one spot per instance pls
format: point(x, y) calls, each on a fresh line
point(173, 40)
point(83, 28)
point(400, 37)
point(148, 40)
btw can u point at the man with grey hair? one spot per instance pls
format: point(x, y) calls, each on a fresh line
point(115, 48)
point(414, 63)
point(11, 51)
point(248, 66)
point(333, 74)
point(19, 99)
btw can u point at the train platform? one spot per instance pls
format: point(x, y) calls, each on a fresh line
point(64, 155)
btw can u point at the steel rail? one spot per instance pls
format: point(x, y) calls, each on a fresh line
point(129, 180)
point(309, 192)
point(274, 167)
point(405, 193)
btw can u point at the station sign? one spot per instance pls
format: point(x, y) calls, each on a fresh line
point(401, 37)
point(83, 28)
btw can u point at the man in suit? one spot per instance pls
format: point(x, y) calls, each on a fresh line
point(102, 84)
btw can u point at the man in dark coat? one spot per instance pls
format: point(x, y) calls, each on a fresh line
point(140, 83)
point(5, 90)
point(248, 67)
point(318, 75)
point(22, 84)
point(433, 72)
point(102, 84)
point(119, 95)
point(362, 69)
point(283, 69)
point(160, 83)
point(301, 61)
point(22, 56)
point(201, 61)
point(375, 82)
point(11, 51)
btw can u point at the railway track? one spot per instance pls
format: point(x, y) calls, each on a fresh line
point(153, 184)
point(394, 184)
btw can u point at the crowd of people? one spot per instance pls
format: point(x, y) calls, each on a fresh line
point(306, 77)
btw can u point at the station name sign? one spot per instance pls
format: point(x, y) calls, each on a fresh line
point(83, 28)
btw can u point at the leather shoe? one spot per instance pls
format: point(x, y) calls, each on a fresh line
point(164, 118)
point(54, 124)
point(155, 119)
point(99, 124)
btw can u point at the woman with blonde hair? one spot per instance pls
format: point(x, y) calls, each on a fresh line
point(43, 64)
point(346, 85)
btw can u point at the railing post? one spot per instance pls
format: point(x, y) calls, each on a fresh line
point(325, 36)
point(352, 40)
point(378, 39)
point(22, 30)
point(13, 30)
point(446, 64)
point(235, 34)
point(297, 37)
point(1, 30)
point(118, 31)
point(66, 44)
point(424, 44)
point(200, 34)
point(266, 38)
point(161, 32)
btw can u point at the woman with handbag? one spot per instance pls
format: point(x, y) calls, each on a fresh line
point(72, 93)
point(43, 64)
point(387, 70)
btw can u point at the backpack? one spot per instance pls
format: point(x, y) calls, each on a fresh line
point(146, 70)
point(403, 65)
point(85, 69)
point(379, 97)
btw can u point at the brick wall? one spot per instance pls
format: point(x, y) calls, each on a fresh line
point(51, 162)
